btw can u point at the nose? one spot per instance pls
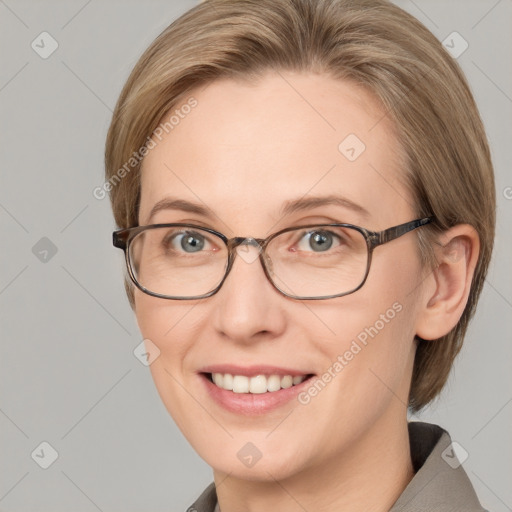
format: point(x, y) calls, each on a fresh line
point(248, 307)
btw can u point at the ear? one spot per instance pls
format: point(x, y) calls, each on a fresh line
point(446, 288)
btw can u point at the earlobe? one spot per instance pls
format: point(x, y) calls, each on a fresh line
point(446, 289)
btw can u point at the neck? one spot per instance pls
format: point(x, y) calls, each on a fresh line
point(369, 477)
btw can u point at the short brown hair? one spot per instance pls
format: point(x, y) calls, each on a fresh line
point(372, 43)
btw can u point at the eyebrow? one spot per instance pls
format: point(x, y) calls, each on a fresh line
point(306, 203)
point(289, 207)
point(169, 203)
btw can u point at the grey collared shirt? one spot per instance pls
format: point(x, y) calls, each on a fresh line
point(440, 484)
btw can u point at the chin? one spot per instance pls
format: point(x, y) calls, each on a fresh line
point(268, 470)
point(254, 461)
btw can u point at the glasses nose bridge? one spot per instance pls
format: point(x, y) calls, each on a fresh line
point(259, 243)
point(237, 241)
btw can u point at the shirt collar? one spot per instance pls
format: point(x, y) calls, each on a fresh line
point(440, 483)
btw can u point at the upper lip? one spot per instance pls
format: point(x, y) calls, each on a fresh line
point(253, 370)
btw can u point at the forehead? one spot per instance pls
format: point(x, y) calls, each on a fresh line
point(247, 148)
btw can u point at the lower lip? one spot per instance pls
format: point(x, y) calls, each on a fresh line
point(252, 403)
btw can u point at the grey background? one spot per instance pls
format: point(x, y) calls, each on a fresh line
point(69, 375)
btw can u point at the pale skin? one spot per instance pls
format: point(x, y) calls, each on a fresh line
point(243, 152)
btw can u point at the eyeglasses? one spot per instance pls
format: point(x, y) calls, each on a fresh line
point(185, 261)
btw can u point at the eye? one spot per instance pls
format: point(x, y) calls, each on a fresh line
point(188, 241)
point(318, 241)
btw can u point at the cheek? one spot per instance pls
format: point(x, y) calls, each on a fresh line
point(155, 321)
point(168, 327)
point(166, 323)
point(373, 348)
point(371, 356)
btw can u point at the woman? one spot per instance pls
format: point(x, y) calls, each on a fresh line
point(305, 199)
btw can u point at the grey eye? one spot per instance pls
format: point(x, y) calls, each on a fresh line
point(188, 241)
point(192, 243)
point(317, 241)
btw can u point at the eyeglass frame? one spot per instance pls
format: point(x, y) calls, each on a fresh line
point(122, 238)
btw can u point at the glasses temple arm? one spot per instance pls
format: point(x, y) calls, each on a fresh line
point(397, 231)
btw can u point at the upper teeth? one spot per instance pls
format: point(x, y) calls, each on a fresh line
point(256, 384)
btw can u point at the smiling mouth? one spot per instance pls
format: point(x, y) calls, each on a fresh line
point(257, 384)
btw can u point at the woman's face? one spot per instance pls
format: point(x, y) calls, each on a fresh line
point(242, 153)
